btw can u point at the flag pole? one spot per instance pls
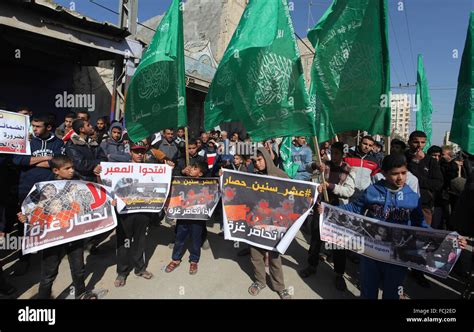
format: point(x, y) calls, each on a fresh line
point(316, 146)
point(186, 143)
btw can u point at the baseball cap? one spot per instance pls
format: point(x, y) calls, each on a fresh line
point(138, 146)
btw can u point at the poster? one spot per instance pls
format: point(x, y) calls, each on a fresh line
point(14, 131)
point(264, 211)
point(193, 198)
point(64, 211)
point(138, 187)
point(425, 249)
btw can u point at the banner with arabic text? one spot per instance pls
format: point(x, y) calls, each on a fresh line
point(64, 211)
point(14, 129)
point(138, 187)
point(192, 198)
point(264, 211)
point(425, 249)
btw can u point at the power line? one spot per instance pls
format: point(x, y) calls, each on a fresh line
point(409, 35)
point(106, 8)
point(398, 46)
point(117, 13)
point(309, 48)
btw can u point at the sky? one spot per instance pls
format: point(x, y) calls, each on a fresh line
point(434, 28)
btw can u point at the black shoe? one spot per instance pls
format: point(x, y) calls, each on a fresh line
point(305, 273)
point(420, 279)
point(340, 283)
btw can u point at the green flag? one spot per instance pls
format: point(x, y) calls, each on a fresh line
point(424, 108)
point(285, 153)
point(350, 75)
point(260, 80)
point(462, 127)
point(156, 97)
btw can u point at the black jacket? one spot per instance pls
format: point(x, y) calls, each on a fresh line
point(85, 156)
point(463, 213)
point(430, 178)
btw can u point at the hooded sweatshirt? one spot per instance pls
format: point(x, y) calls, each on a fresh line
point(29, 175)
point(271, 169)
point(401, 206)
point(115, 150)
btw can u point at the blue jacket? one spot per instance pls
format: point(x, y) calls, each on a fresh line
point(29, 175)
point(302, 156)
point(401, 207)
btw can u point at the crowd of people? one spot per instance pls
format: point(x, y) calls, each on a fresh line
point(433, 189)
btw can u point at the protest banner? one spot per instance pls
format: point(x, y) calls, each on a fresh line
point(14, 129)
point(64, 211)
point(264, 211)
point(425, 249)
point(192, 198)
point(137, 187)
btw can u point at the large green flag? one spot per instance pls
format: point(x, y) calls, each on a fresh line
point(462, 127)
point(156, 97)
point(424, 108)
point(260, 80)
point(350, 76)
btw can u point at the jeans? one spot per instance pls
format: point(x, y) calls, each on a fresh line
point(194, 229)
point(374, 273)
point(50, 260)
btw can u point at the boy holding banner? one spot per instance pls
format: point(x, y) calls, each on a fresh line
point(389, 200)
point(264, 165)
point(192, 228)
point(131, 233)
point(63, 169)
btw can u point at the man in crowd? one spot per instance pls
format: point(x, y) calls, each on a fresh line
point(363, 163)
point(85, 153)
point(167, 145)
point(64, 131)
point(430, 180)
point(36, 168)
point(301, 155)
point(113, 147)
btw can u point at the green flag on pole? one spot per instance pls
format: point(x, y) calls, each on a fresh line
point(462, 127)
point(424, 108)
point(350, 75)
point(156, 97)
point(260, 80)
point(285, 153)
